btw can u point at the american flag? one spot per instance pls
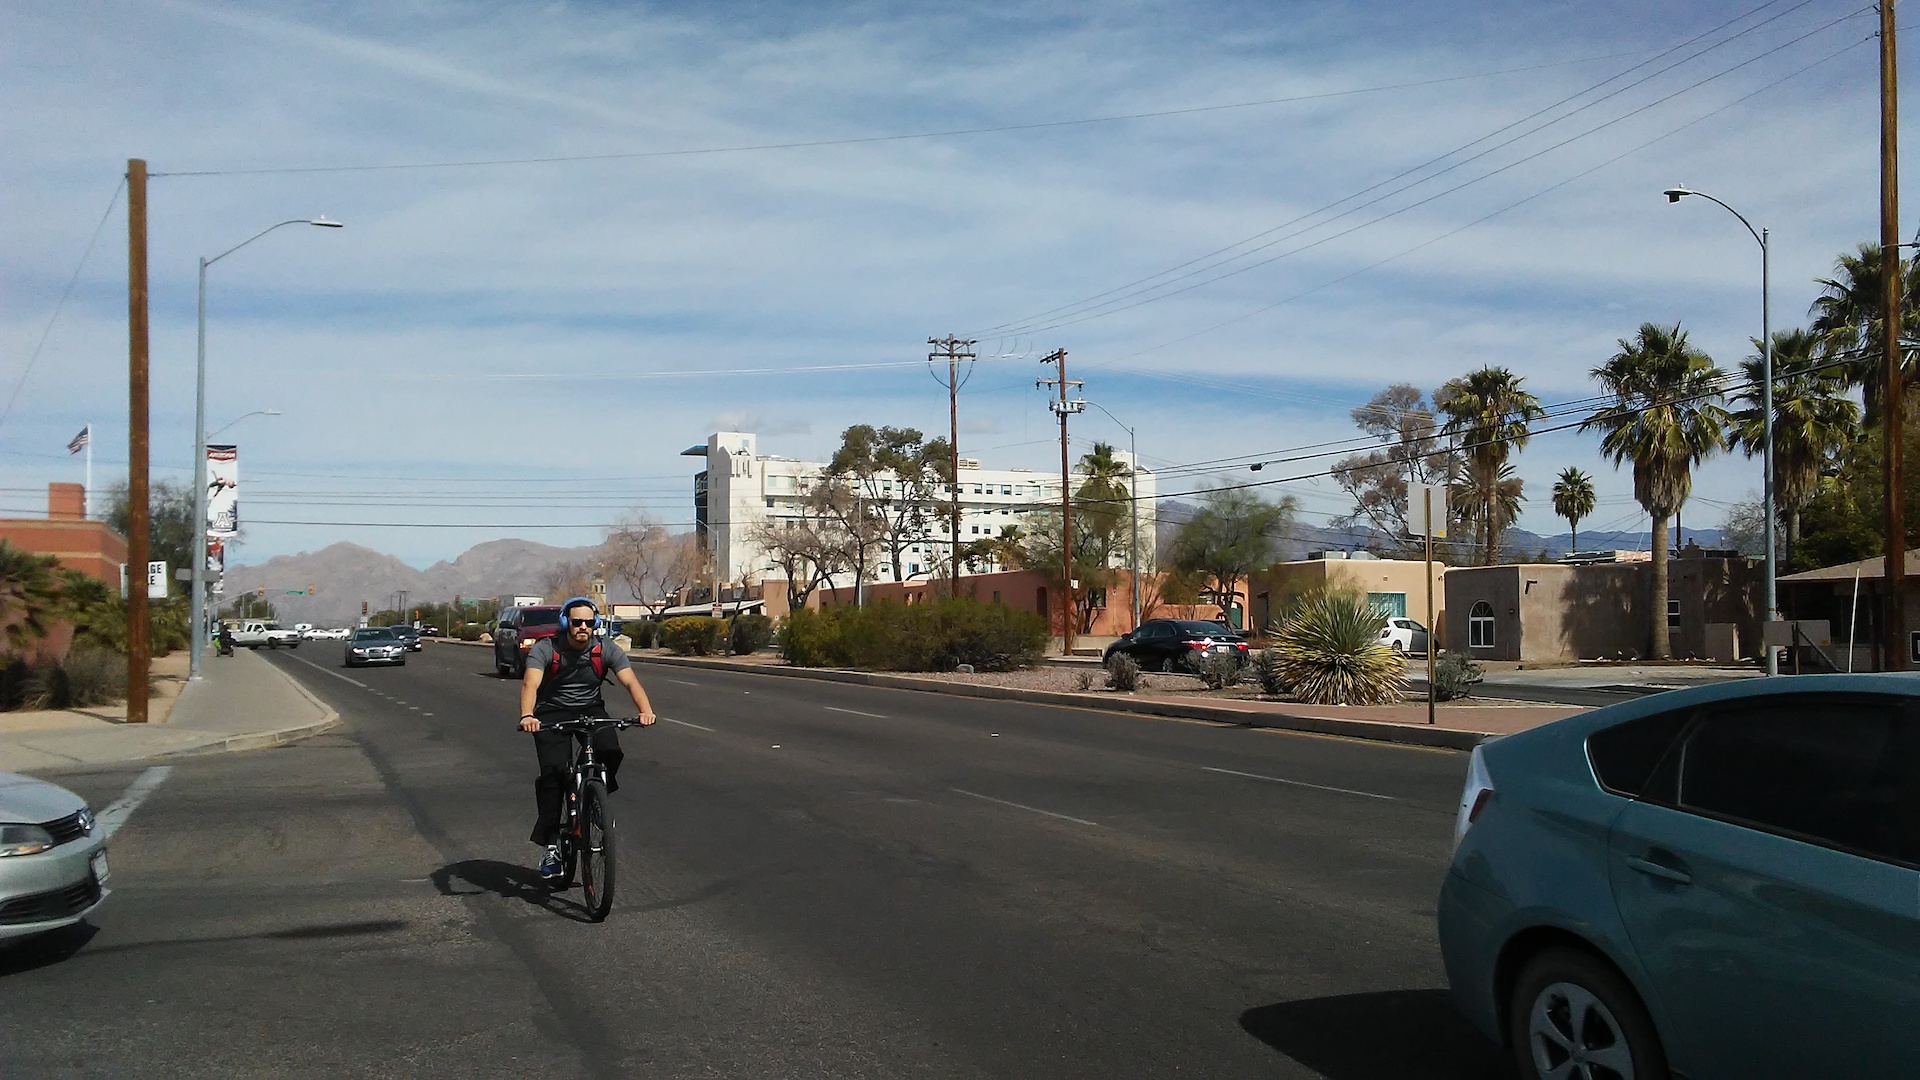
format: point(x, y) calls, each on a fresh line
point(81, 440)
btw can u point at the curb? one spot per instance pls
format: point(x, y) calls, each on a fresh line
point(1372, 730)
point(257, 740)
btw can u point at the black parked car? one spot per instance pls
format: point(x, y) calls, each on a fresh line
point(1177, 644)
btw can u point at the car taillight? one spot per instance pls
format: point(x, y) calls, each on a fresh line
point(1474, 797)
point(1196, 644)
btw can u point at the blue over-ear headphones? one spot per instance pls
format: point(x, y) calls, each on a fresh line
point(599, 623)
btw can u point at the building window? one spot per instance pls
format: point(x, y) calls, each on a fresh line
point(1673, 614)
point(913, 568)
point(1480, 626)
point(976, 489)
point(769, 503)
point(976, 530)
point(1390, 605)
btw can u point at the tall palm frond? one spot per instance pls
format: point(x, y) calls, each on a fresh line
point(1573, 499)
point(1489, 412)
point(1814, 421)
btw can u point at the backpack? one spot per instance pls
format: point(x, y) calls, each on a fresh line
point(599, 663)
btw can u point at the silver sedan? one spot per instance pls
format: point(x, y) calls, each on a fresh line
point(53, 859)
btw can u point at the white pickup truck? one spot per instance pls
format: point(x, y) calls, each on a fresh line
point(254, 633)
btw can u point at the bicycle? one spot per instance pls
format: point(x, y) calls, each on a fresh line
point(586, 822)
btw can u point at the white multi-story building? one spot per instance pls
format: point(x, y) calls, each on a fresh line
point(741, 488)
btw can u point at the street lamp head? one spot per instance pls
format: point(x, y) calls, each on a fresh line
point(323, 223)
point(1674, 194)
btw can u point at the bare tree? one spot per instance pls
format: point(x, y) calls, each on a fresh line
point(573, 578)
point(655, 565)
point(809, 549)
point(857, 527)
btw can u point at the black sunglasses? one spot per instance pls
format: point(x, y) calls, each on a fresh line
point(588, 621)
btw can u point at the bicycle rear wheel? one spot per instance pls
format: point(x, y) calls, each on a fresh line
point(596, 850)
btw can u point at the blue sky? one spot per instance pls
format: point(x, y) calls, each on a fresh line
point(428, 359)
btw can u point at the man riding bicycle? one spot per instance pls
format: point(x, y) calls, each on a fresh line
point(562, 682)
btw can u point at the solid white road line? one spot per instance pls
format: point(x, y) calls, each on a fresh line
point(683, 723)
point(1024, 806)
point(116, 815)
point(1301, 783)
point(682, 682)
point(855, 712)
point(331, 672)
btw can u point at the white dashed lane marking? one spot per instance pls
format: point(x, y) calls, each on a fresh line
point(1024, 806)
point(855, 712)
point(1300, 783)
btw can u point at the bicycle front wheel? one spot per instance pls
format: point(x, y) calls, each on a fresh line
point(596, 850)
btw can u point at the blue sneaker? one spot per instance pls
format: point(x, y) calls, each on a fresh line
point(550, 865)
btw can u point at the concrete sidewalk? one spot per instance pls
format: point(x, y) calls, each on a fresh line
point(1458, 726)
point(241, 702)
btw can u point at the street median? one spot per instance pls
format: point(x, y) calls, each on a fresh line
point(1276, 715)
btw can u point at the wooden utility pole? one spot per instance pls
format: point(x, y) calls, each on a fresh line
point(1064, 408)
point(138, 652)
point(1894, 407)
point(950, 351)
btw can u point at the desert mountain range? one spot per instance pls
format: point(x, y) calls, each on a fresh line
point(344, 574)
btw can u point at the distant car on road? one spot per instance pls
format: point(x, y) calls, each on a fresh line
point(253, 633)
point(1403, 635)
point(1177, 644)
point(375, 645)
point(408, 636)
point(53, 857)
point(429, 630)
point(516, 632)
point(1718, 881)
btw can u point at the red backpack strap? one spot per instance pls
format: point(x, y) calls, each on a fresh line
point(599, 663)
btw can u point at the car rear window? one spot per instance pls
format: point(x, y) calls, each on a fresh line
point(1624, 756)
point(539, 616)
point(1193, 626)
point(373, 634)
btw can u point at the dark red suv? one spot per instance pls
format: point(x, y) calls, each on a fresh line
point(516, 632)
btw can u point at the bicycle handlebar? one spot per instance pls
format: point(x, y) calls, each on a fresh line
point(586, 723)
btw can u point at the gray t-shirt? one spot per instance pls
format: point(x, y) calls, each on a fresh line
point(574, 685)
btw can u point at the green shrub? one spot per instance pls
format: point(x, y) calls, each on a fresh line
point(644, 633)
point(1123, 673)
point(888, 636)
point(469, 632)
point(100, 620)
point(1218, 672)
point(750, 633)
point(1329, 652)
point(1264, 668)
point(694, 635)
point(14, 678)
point(1454, 676)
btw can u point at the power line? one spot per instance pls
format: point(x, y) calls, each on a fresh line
point(1164, 290)
point(61, 304)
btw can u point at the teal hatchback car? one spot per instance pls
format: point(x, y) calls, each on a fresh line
point(1718, 882)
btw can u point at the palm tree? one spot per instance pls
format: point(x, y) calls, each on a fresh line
point(29, 595)
point(1489, 412)
point(1814, 421)
point(1847, 323)
point(1477, 501)
point(1573, 500)
point(1664, 418)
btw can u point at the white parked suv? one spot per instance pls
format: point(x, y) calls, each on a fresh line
point(1403, 635)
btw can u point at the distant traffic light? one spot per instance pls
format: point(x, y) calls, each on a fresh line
point(309, 590)
point(261, 592)
point(363, 607)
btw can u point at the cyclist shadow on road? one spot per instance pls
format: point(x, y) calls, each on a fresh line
point(476, 876)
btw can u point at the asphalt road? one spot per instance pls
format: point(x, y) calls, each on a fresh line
point(815, 880)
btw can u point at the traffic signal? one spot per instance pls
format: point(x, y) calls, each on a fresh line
point(261, 592)
point(309, 590)
point(363, 607)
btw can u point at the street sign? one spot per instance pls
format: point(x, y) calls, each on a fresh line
point(295, 592)
point(157, 580)
point(1417, 496)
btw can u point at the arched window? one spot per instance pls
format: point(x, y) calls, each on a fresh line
point(1480, 625)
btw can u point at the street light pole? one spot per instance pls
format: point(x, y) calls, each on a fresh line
point(198, 602)
point(1762, 236)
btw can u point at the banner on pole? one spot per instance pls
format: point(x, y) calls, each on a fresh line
point(223, 490)
point(216, 556)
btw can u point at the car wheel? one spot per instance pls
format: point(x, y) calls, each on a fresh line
point(1572, 1015)
point(1399, 648)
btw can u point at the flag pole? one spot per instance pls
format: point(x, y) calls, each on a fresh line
point(86, 495)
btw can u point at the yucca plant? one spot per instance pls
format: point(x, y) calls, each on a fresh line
point(1328, 650)
point(1265, 670)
